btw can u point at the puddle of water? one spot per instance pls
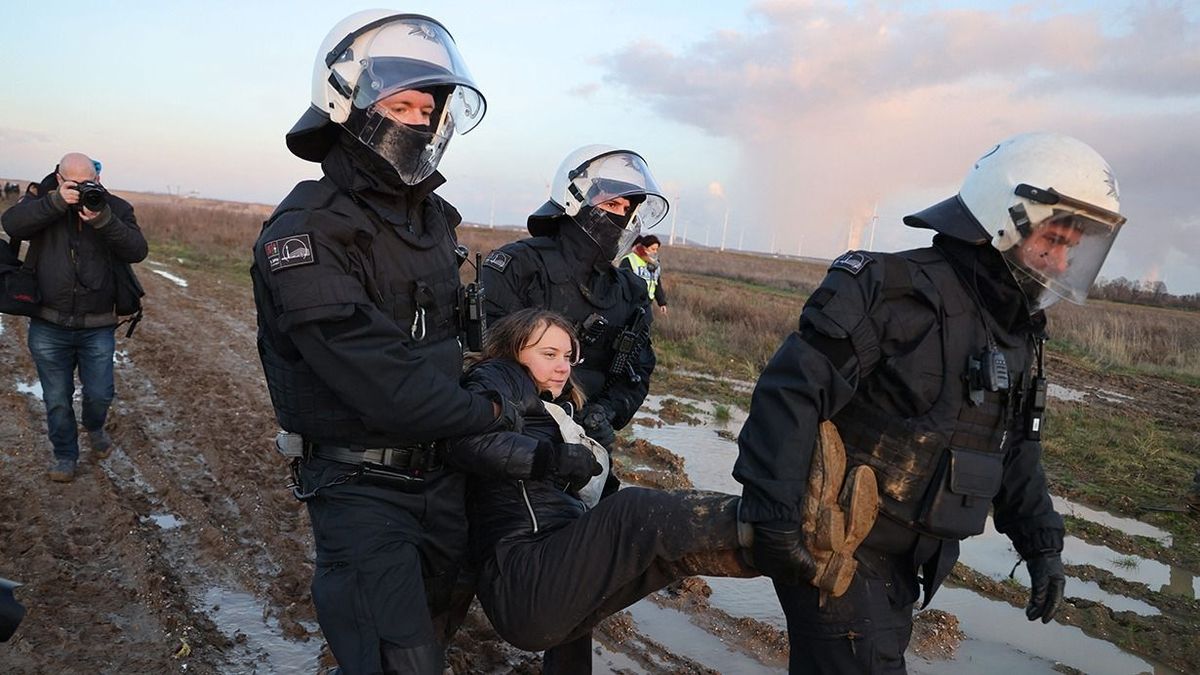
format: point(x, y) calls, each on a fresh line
point(1, 325)
point(737, 385)
point(707, 411)
point(675, 631)
point(178, 281)
point(605, 660)
point(1005, 626)
point(1067, 394)
point(981, 656)
point(165, 521)
point(1063, 393)
point(1156, 575)
point(237, 612)
point(709, 462)
point(752, 598)
point(1130, 526)
point(34, 389)
point(991, 553)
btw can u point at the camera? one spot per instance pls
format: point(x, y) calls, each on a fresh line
point(92, 195)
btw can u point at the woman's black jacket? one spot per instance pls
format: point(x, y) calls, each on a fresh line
point(503, 500)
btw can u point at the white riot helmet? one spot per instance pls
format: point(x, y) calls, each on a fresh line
point(370, 56)
point(599, 174)
point(1048, 202)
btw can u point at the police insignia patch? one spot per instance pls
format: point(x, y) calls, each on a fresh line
point(497, 260)
point(289, 252)
point(852, 262)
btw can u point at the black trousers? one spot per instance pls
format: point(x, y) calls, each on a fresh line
point(386, 565)
point(866, 630)
point(552, 588)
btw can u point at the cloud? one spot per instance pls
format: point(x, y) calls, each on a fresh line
point(835, 108)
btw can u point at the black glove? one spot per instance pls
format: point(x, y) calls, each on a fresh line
point(510, 418)
point(568, 463)
point(596, 420)
point(779, 553)
point(1046, 582)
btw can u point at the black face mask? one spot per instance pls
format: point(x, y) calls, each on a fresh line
point(604, 228)
point(405, 147)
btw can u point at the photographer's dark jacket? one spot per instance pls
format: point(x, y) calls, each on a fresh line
point(568, 274)
point(356, 284)
point(502, 499)
point(884, 349)
point(76, 260)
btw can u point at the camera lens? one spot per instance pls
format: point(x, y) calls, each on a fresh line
point(92, 196)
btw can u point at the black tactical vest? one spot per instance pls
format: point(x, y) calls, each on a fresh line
point(412, 279)
point(938, 470)
point(607, 295)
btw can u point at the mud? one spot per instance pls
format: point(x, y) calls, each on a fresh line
point(935, 635)
point(184, 552)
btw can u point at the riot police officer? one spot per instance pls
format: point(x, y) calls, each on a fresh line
point(929, 362)
point(600, 199)
point(356, 284)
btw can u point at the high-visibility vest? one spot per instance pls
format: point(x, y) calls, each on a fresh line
point(643, 270)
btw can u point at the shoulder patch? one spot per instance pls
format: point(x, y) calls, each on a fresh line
point(497, 260)
point(290, 251)
point(852, 262)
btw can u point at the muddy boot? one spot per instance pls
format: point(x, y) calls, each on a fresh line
point(839, 511)
point(63, 471)
point(101, 443)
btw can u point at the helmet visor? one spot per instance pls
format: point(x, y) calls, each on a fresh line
point(620, 182)
point(1061, 256)
point(410, 52)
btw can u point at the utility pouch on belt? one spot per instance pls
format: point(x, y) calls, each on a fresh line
point(956, 506)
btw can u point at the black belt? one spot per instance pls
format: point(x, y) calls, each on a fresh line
point(420, 457)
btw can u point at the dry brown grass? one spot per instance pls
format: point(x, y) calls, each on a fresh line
point(728, 311)
point(1149, 339)
point(204, 228)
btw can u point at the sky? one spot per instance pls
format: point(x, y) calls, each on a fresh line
point(801, 127)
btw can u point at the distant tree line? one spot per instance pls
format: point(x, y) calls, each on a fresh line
point(1153, 293)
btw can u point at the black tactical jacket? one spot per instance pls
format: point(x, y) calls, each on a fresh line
point(356, 284)
point(76, 260)
point(502, 499)
point(883, 349)
point(568, 274)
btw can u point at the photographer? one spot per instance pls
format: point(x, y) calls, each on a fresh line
point(78, 233)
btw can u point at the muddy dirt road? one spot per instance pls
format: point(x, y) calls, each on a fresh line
point(183, 551)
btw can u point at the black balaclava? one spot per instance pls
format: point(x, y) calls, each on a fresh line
point(986, 274)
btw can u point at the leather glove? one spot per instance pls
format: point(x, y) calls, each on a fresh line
point(568, 463)
point(779, 552)
point(1046, 582)
point(596, 420)
point(510, 417)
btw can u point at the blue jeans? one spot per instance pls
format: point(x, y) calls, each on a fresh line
point(57, 351)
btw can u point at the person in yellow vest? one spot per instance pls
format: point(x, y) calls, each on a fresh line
point(643, 261)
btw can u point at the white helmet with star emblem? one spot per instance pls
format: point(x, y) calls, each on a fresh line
point(1050, 204)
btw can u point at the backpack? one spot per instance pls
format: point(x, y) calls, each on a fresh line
point(19, 294)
